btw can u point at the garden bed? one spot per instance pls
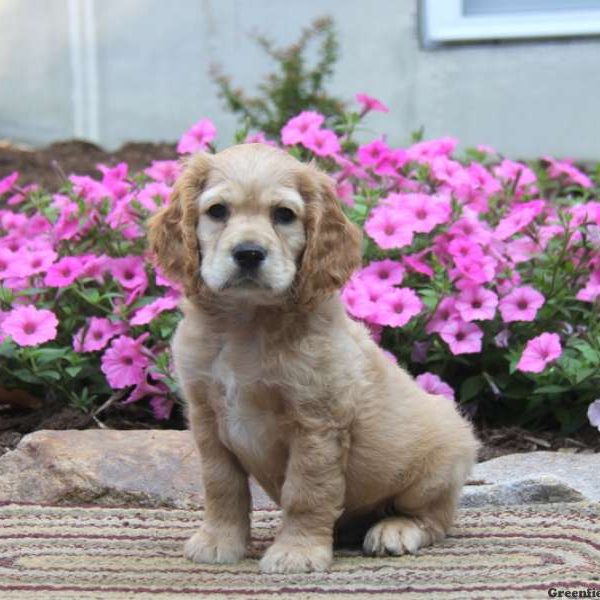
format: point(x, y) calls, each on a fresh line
point(50, 168)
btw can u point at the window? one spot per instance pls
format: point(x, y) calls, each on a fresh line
point(454, 21)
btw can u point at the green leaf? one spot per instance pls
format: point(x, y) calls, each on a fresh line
point(590, 354)
point(470, 387)
point(92, 295)
point(26, 376)
point(584, 373)
point(552, 389)
point(7, 348)
point(46, 355)
point(73, 371)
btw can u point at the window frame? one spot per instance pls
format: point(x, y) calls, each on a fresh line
point(443, 22)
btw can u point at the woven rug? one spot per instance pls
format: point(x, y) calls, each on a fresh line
point(70, 553)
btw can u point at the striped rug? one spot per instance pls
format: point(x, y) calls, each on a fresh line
point(69, 553)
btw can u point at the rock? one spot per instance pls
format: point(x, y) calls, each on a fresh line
point(149, 468)
point(156, 468)
point(534, 477)
point(539, 490)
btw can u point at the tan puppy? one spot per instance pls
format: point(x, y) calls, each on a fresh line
point(282, 385)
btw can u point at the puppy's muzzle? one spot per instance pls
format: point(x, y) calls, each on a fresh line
point(248, 256)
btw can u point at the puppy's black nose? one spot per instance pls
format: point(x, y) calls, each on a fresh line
point(248, 255)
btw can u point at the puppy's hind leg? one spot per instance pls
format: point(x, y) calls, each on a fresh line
point(421, 515)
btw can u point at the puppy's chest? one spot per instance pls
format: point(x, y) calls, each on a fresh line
point(249, 408)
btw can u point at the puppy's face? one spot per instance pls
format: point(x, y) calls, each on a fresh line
point(251, 227)
point(255, 225)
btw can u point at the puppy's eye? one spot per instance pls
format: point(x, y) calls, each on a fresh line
point(283, 215)
point(218, 212)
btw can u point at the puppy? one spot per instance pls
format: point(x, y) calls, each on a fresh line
point(282, 385)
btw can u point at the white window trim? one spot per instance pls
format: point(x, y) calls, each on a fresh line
point(443, 21)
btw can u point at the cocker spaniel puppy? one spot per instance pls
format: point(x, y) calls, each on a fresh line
point(282, 385)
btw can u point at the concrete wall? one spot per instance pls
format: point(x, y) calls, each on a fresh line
point(117, 70)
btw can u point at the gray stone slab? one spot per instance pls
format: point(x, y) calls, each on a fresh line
point(154, 468)
point(580, 472)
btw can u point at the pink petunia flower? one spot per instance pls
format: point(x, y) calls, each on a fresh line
point(64, 272)
point(94, 266)
point(9, 264)
point(444, 313)
point(521, 216)
point(22, 194)
point(415, 263)
point(345, 192)
point(129, 272)
point(421, 212)
point(162, 406)
point(369, 155)
point(540, 351)
point(385, 227)
point(434, 385)
point(296, 129)
point(396, 307)
point(462, 337)
point(150, 311)
point(322, 142)
point(521, 304)
point(391, 163)
point(591, 291)
point(197, 137)
point(470, 272)
point(565, 168)
point(585, 213)
point(92, 191)
point(67, 226)
point(475, 231)
point(510, 172)
point(164, 171)
point(428, 149)
point(476, 304)
point(143, 389)
point(465, 249)
point(383, 271)
point(154, 195)
point(7, 182)
point(164, 281)
point(29, 326)
point(33, 262)
point(114, 179)
point(96, 334)
point(360, 298)
point(125, 361)
point(369, 103)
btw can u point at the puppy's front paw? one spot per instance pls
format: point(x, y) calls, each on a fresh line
point(205, 547)
point(289, 558)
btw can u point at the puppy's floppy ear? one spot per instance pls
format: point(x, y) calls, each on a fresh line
point(172, 230)
point(333, 244)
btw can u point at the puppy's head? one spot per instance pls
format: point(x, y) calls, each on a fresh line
point(252, 224)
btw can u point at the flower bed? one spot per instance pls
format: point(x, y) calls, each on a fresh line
point(481, 276)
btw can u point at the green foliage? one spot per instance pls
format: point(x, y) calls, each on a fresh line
point(294, 86)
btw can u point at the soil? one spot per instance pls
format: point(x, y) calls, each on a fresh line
point(48, 167)
point(17, 421)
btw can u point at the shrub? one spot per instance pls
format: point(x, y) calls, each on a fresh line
point(481, 275)
point(294, 86)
